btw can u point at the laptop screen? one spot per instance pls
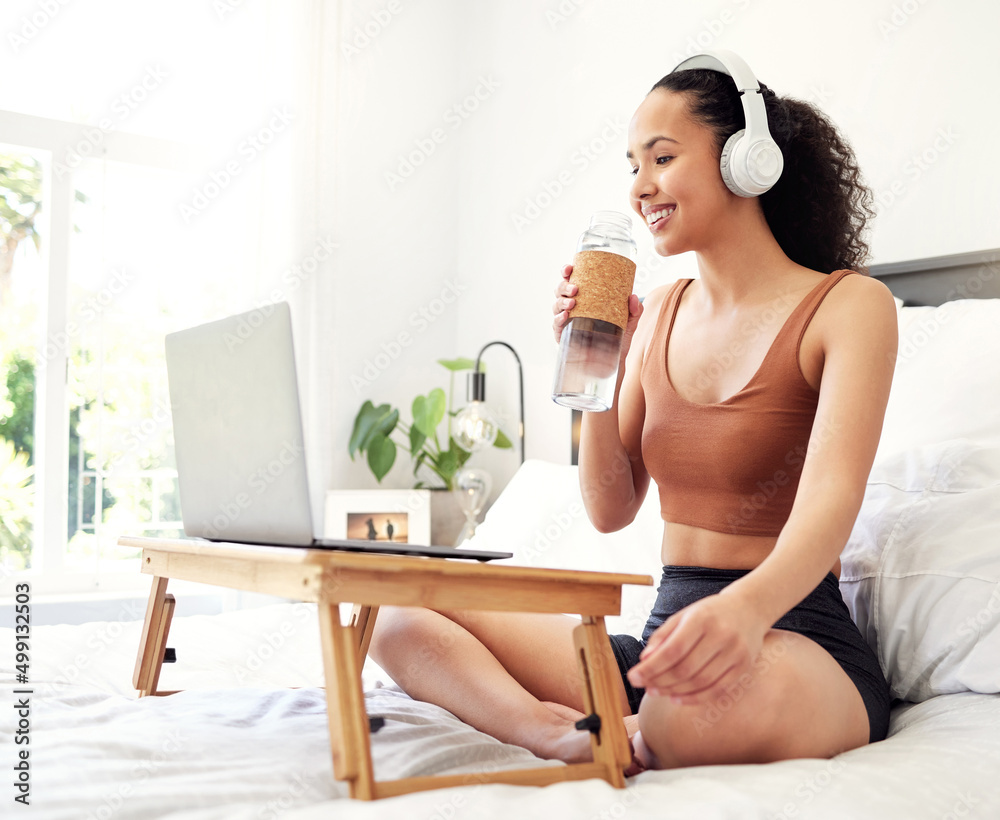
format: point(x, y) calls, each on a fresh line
point(238, 437)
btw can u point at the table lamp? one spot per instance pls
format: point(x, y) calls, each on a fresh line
point(475, 427)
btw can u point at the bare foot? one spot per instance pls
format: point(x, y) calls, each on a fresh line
point(642, 756)
point(560, 739)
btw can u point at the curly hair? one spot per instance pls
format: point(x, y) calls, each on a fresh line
point(819, 208)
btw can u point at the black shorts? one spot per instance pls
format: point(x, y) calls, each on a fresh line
point(822, 616)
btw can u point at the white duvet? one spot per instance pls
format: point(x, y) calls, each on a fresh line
point(239, 743)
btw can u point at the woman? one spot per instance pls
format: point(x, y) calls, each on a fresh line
point(754, 396)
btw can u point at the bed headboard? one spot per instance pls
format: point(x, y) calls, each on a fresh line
point(931, 281)
point(940, 279)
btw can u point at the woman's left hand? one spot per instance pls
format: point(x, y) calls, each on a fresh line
point(699, 652)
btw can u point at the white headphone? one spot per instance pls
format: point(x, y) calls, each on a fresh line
point(751, 160)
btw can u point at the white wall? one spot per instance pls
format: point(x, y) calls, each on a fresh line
point(390, 308)
point(902, 79)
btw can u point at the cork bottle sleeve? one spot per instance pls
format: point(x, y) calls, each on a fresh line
point(605, 282)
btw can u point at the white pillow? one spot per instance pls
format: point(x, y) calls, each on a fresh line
point(921, 571)
point(540, 517)
point(947, 380)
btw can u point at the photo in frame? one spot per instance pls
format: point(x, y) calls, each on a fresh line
point(399, 516)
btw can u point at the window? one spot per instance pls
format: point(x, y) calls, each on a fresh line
point(140, 196)
point(103, 262)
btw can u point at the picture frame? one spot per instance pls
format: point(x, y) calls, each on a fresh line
point(402, 516)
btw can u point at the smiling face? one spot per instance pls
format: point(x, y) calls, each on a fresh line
point(678, 189)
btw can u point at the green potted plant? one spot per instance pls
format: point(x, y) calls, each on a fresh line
point(379, 432)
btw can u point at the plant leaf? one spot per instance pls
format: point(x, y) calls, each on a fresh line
point(502, 441)
point(460, 363)
point(428, 411)
point(381, 455)
point(363, 423)
point(370, 420)
point(417, 439)
point(447, 465)
point(463, 455)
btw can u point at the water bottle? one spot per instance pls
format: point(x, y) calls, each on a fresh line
point(604, 272)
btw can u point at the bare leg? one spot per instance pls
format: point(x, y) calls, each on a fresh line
point(511, 675)
point(796, 702)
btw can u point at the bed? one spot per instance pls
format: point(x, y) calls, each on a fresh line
point(248, 737)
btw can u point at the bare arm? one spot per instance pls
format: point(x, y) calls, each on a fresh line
point(859, 335)
point(613, 478)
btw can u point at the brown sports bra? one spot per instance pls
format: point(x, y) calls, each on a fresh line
point(732, 466)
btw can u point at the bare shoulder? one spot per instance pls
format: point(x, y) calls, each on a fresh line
point(859, 310)
point(654, 299)
point(862, 297)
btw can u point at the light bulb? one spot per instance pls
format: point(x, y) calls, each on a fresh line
point(472, 487)
point(475, 427)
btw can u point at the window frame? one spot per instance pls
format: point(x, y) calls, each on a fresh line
point(57, 138)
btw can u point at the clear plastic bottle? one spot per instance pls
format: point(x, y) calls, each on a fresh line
point(604, 271)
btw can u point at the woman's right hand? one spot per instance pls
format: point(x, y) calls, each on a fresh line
point(565, 302)
point(565, 291)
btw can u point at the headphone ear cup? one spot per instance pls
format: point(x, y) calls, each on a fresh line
point(729, 163)
point(750, 170)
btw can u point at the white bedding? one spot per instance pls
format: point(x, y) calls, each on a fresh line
point(237, 743)
point(921, 575)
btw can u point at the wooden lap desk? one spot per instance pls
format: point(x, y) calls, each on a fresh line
point(330, 578)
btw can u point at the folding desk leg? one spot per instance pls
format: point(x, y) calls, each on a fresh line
point(153, 643)
point(345, 704)
point(597, 664)
point(363, 620)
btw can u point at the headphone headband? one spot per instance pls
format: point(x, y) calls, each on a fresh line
point(751, 160)
point(725, 62)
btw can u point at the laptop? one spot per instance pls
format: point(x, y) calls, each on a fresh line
point(238, 438)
